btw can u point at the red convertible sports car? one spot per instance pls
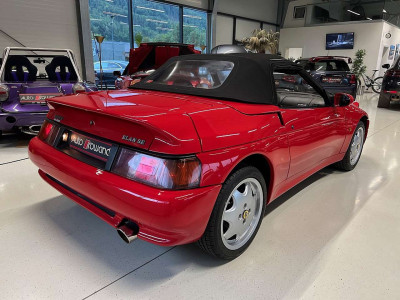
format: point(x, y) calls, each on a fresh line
point(195, 152)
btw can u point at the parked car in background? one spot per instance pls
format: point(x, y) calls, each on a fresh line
point(30, 76)
point(332, 72)
point(228, 49)
point(109, 67)
point(390, 85)
point(147, 58)
point(195, 152)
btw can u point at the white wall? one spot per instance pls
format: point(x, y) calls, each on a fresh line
point(263, 10)
point(244, 28)
point(195, 3)
point(385, 42)
point(367, 36)
point(224, 30)
point(40, 23)
point(260, 10)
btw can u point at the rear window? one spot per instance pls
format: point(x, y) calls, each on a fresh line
point(203, 74)
point(325, 65)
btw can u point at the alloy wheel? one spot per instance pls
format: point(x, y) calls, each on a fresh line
point(242, 213)
point(356, 145)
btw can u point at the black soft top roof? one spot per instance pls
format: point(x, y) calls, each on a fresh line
point(250, 81)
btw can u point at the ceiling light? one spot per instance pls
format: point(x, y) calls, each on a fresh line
point(111, 14)
point(384, 10)
point(165, 29)
point(156, 21)
point(353, 12)
point(153, 9)
point(193, 17)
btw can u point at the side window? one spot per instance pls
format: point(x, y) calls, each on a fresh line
point(293, 91)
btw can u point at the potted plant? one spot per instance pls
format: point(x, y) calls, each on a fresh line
point(359, 68)
point(262, 41)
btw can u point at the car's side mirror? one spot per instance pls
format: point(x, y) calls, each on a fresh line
point(342, 99)
point(117, 73)
point(386, 66)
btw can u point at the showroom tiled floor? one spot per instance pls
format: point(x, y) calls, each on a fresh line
point(336, 236)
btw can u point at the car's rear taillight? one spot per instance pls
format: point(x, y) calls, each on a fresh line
point(159, 172)
point(78, 88)
point(352, 79)
point(3, 92)
point(393, 73)
point(390, 92)
point(48, 132)
point(289, 78)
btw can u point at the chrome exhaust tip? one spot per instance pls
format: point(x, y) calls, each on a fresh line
point(33, 129)
point(128, 231)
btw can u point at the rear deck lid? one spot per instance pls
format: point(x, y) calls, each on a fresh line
point(152, 121)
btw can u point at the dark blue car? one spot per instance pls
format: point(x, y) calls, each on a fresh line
point(332, 72)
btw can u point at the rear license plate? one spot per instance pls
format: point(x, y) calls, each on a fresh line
point(331, 79)
point(90, 146)
point(35, 98)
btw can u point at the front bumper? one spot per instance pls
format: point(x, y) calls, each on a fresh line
point(164, 217)
point(9, 121)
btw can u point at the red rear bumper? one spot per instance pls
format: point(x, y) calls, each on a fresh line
point(164, 217)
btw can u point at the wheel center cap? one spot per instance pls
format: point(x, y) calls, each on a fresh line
point(245, 214)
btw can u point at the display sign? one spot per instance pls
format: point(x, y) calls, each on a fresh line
point(90, 146)
point(35, 98)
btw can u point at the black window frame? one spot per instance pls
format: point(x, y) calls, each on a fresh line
point(295, 11)
point(306, 76)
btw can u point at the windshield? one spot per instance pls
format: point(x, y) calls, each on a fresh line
point(203, 74)
point(24, 65)
point(325, 65)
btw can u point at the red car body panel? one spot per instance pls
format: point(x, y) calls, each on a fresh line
point(295, 143)
point(164, 217)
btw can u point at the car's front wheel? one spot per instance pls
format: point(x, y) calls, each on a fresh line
point(237, 214)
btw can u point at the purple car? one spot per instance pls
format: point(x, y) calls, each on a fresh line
point(29, 76)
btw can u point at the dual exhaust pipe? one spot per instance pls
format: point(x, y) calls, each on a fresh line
point(128, 231)
point(33, 129)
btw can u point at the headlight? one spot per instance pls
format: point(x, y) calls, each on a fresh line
point(164, 173)
point(3, 92)
point(78, 88)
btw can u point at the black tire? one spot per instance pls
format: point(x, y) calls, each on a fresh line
point(384, 101)
point(345, 164)
point(212, 240)
point(377, 86)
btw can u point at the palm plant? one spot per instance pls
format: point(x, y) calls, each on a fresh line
point(262, 41)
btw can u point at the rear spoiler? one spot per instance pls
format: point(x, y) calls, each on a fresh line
point(318, 58)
